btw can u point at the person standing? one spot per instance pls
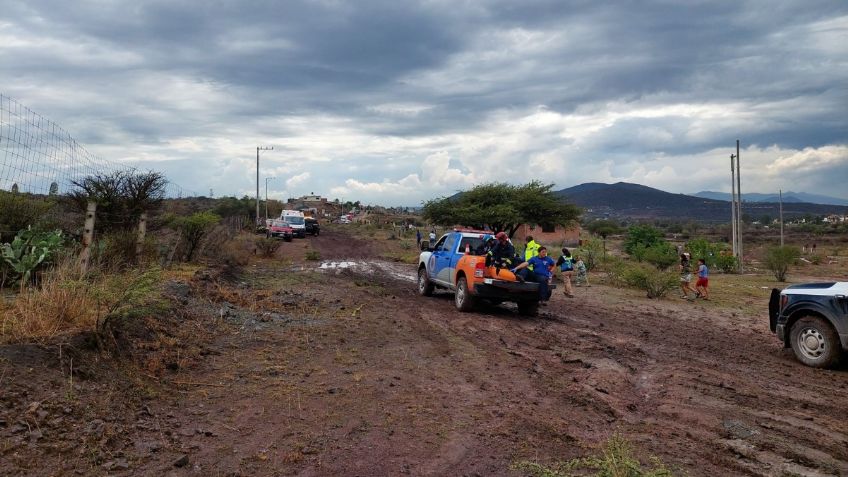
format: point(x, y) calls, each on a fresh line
point(543, 272)
point(702, 286)
point(418, 236)
point(565, 262)
point(686, 276)
point(582, 273)
point(432, 237)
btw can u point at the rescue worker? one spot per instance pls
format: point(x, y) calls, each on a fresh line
point(531, 249)
point(485, 247)
point(502, 254)
point(543, 272)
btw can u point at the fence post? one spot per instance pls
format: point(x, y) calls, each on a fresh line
point(87, 236)
point(142, 230)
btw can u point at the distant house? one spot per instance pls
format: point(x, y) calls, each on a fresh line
point(553, 238)
point(314, 205)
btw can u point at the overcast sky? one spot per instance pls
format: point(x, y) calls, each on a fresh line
point(393, 102)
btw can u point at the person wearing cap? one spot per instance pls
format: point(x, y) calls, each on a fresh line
point(543, 272)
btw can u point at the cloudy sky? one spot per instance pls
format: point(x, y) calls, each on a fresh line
point(393, 102)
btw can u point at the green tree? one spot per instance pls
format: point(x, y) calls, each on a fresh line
point(604, 228)
point(194, 228)
point(641, 235)
point(502, 206)
point(778, 260)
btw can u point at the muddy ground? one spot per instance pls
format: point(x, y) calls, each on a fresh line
point(337, 367)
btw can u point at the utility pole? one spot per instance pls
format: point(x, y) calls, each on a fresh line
point(258, 148)
point(266, 197)
point(733, 204)
point(781, 217)
point(739, 204)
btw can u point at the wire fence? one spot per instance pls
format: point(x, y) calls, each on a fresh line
point(38, 156)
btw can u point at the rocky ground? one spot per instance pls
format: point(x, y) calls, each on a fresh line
point(338, 367)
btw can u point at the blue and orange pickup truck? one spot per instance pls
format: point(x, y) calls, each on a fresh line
point(452, 265)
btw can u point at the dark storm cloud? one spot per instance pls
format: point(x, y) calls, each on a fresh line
point(648, 77)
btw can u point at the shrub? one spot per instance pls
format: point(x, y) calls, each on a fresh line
point(655, 283)
point(816, 259)
point(592, 251)
point(778, 260)
point(313, 255)
point(641, 235)
point(727, 263)
point(661, 255)
point(267, 246)
point(194, 228)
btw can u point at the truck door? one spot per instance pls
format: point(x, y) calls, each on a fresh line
point(443, 253)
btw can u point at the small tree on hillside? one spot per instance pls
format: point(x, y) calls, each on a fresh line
point(502, 206)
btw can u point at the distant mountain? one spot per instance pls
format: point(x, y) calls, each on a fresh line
point(635, 201)
point(787, 197)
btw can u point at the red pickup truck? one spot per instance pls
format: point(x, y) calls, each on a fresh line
point(280, 228)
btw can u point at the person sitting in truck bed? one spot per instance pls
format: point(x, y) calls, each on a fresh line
point(543, 272)
point(503, 253)
point(485, 247)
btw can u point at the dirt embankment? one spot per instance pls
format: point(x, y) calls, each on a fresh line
point(331, 369)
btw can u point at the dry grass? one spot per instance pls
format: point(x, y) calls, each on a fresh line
point(63, 303)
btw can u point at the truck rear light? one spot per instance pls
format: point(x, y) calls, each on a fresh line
point(783, 301)
point(479, 268)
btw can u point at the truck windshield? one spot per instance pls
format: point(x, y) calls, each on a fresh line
point(295, 220)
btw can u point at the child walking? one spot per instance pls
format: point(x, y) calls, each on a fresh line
point(702, 286)
point(582, 275)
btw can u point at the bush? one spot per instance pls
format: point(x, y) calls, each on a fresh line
point(655, 283)
point(267, 246)
point(661, 255)
point(644, 235)
point(313, 255)
point(778, 260)
point(727, 263)
point(194, 228)
point(592, 251)
point(816, 259)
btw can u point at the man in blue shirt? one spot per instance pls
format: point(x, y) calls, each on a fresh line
point(543, 272)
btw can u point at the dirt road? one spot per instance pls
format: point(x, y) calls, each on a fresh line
point(338, 368)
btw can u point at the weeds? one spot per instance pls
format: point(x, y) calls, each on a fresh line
point(313, 255)
point(615, 459)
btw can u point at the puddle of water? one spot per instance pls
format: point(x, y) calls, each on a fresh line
point(394, 270)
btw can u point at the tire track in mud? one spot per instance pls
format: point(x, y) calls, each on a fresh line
point(706, 393)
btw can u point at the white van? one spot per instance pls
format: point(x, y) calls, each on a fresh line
point(296, 221)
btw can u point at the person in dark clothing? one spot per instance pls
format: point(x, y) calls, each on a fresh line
point(485, 247)
point(503, 253)
point(543, 272)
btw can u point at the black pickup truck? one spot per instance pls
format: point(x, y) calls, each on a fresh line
point(312, 226)
point(812, 319)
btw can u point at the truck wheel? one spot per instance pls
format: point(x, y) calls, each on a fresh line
point(425, 288)
point(815, 342)
point(528, 307)
point(463, 299)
